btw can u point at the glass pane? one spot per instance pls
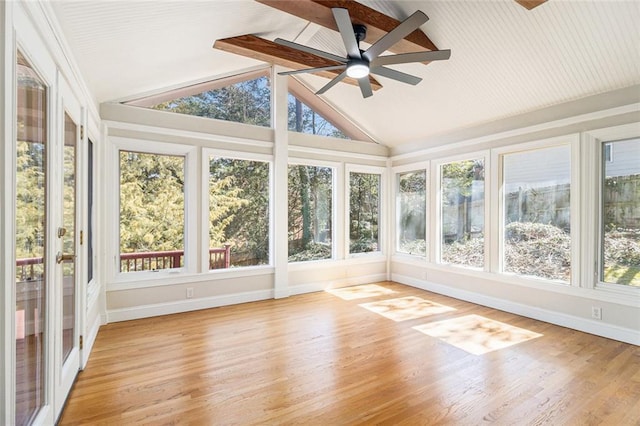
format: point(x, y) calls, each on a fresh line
point(303, 119)
point(309, 213)
point(462, 240)
point(69, 238)
point(412, 212)
point(537, 195)
point(247, 102)
point(238, 213)
point(90, 212)
point(151, 211)
point(364, 211)
point(621, 213)
point(31, 285)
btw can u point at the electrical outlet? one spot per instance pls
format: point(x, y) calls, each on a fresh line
point(596, 312)
point(189, 292)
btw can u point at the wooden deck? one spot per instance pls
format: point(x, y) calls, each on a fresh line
point(406, 356)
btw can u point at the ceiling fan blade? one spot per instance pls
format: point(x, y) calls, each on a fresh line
point(316, 69)
point(346, 31)
point(403, 58)
point(396, 75)
point(311, 50)
point(365, 87)
point(332, 83)
point(407, 26)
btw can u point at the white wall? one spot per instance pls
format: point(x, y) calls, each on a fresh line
point(564, 304)
point(150, 294)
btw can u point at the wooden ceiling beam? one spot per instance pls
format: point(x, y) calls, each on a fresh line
point(267, 51)
point(378, 24)
point(530, 4)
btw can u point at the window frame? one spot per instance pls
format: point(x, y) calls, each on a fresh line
point(189, 153)
point(382, 209)
point(498, 206)
point(297, 161)
point(397, 171)
point(207, 154)
point(436, 189)
point(593, 252)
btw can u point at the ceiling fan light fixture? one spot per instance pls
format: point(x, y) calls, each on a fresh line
point(357, 69)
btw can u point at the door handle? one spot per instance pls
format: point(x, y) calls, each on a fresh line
point(65, 257)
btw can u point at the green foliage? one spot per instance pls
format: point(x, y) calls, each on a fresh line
point(314, 251)
point(247, 102)
point(364, 206)
point(412, 212)
point(458, 177)
point(239, 209)
point(309, 212)
point(151, 202)
point(30, 199)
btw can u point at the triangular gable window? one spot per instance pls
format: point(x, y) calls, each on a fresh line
point(315, 115)
point(303, 119)
point(242, 99)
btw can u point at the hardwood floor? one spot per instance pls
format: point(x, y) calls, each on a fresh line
point(321, 359)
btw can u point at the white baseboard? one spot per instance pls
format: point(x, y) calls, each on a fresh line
point(145, 311)
point(581, 324)
point(89, 339)
point(323, 285)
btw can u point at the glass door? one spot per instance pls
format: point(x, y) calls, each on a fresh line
point(67, 350)
point(68, 235)
point(32, 288)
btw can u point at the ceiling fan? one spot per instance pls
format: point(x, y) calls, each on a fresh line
point(360, 63)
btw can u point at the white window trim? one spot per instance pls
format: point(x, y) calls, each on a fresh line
point(195, 88)
point(497, 212)
point(382, 209)
point(190, 154)
point(327, 111)
point(335, 169)
point(207, 153)
point(395, 217)
point(592, 160)
point(436, 208)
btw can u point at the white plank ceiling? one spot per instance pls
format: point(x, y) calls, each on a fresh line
point(505, 59)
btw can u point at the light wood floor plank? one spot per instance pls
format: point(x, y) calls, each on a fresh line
point(317, 359)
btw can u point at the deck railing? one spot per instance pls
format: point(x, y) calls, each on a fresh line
point(219, 258)
point(31, 269)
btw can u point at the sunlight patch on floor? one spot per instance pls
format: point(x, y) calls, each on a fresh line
point(476, 334)
point(406, 308)
point(360, 291)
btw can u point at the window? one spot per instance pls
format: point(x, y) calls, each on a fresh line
point(310, 210)
point(412, 212)
point(152, 211)
point(462, 213)
point(238, 212)
point(247, 102)
point(303, 119)
point(620, 213)
point(364, 212)
point(536, 209)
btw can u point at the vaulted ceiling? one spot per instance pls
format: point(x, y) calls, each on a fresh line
point(506, 60)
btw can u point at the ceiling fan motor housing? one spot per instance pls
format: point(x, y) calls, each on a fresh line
point(360, 31)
